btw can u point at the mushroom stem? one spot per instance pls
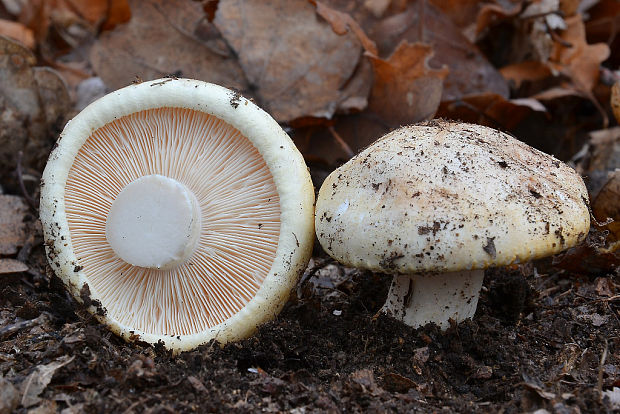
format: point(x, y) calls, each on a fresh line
point(154, 222)
point(434, 297)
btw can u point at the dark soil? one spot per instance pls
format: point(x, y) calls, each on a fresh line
point(538, 341)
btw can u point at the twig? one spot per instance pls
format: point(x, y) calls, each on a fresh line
point(307, 275)
point(10, 330)
point(20, 179)
point(600, 370)
point(341, 142)
point(137, 403)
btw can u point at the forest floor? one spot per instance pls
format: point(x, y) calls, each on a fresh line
point(539, 341)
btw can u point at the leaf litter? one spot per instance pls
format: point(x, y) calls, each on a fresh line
point(337, 74)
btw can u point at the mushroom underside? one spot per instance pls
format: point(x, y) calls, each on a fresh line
point(419, 299)
point(238, 215)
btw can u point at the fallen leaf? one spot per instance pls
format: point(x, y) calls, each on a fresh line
point(36, 16)
point(364, 379)
point(421, 355)
point(106, 12)
point(12, 266)
point(406, 90)
point(602, 26)
point(615, 100)
point(88, 91)
point(595, 319)
point(31, 117)
point(603, 286)
point(9, 396)
point(490, 109)
point(535, 385)
point(577, 59)
point(606, 205)
point(38, 380)
point(492, 13)
point(13, 232)
point(118, 12)
point(602, 155)
point(297, 64)
point(394, 382)
point(595, 256)
point(613, 396)
point(18, 32)
point(470, 72)
point(529, 71)
point(197, 384)
point(482, 372)
point(461, 12)
point(163, 37)
point(341, 24)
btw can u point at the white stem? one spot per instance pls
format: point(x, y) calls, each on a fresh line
point(154, 222)
point(423, 298)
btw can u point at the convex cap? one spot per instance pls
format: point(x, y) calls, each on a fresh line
point(444, 196)
point(182, 209)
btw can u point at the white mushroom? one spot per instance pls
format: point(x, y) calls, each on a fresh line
point(181, 208)
point(436, 203)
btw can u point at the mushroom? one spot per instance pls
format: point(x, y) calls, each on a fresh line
point(436, 203)
point(179, 211)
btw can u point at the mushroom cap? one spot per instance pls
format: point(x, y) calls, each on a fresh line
point(221, 148)
point(443, 196)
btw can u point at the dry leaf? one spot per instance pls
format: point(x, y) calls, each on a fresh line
point(297, 64)
point(9, 396)
point(36, 382)
point(12, 227)
point(118, 12)
point(12, 266)
point(342, 22)
point(604, 286)
point(613, 396)
point(395, 382)
point(163, 38)
point(604, 151)
point(36, 16)
point(31, 117)
point(491, 13)
point(364, 379)
point(197, 384)
point(490, 109)
point(529, 71)
point(470, 72)
point(595, 256)
point(615, 100)
point(17, 31)
point(406, 90)
point(576, 59)
point(461, 12)
point(602, 26)
point(108, 12)
point(606, 205)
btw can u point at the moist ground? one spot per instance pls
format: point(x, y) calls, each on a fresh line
point(539, 340)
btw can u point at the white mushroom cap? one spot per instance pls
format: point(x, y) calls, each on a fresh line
point(182, 207)
point(445, 197)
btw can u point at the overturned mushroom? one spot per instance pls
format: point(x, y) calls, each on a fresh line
point(179, 210)
point(437, 203)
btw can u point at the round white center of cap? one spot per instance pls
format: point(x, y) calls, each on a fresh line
point(154, 222)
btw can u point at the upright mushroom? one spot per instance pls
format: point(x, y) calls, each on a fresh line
point(436, 203)
point(180, 210)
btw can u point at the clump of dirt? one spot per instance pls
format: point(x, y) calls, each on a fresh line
point(537, 342)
